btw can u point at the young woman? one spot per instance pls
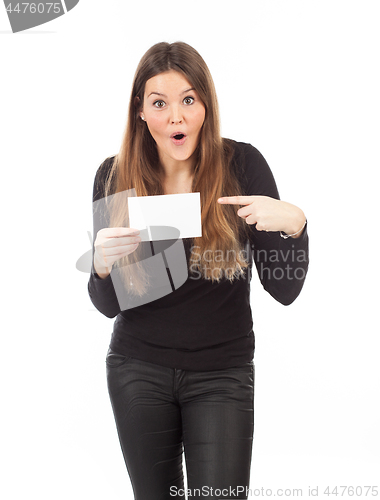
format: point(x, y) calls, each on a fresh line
point(180, 368)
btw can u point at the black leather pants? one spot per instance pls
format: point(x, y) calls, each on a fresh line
point(160, 412)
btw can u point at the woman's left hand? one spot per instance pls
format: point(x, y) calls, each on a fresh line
point(268, 213)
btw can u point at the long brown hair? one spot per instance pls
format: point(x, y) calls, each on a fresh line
point(137, 166)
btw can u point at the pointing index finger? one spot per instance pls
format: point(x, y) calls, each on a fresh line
point(236, 200)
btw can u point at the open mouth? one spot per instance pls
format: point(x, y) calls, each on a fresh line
point(178, 138)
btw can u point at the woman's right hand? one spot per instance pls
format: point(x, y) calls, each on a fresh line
point(112, 244)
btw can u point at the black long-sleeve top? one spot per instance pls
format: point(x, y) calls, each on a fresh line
point(203, 325)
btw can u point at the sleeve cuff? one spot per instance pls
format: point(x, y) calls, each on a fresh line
point(97, 277)
point(286, 236)
point(301, 241)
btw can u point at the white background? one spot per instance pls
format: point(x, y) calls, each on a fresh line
point(298, 79)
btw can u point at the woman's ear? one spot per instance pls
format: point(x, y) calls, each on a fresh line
point(137, 103)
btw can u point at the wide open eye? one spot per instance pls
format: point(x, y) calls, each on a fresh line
point(159, 104)
point(189, 100)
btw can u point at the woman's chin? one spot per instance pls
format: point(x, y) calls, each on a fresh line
point(180, 155)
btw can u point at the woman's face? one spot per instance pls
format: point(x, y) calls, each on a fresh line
point(173, 108)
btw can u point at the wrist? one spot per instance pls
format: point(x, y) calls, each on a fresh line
point(295, 229)
point(100, 270)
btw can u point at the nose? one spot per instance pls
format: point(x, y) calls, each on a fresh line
point(176, 115)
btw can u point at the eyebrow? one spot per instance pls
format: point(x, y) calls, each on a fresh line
point(164, 95)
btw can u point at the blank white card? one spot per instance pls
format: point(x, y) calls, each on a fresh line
point(180, 211)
